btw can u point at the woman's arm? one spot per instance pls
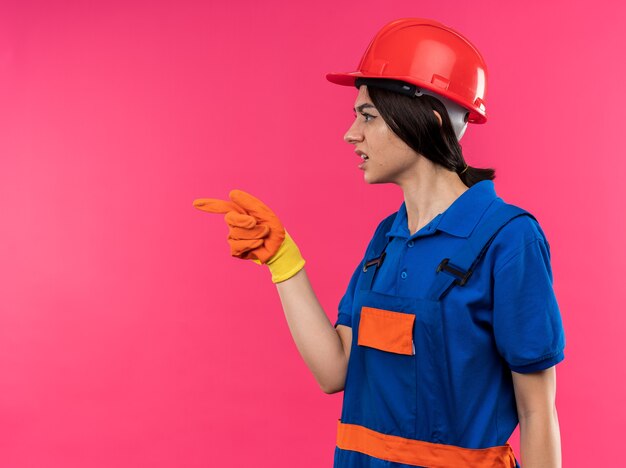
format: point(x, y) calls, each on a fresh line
point(317, 340)
point(540, 438)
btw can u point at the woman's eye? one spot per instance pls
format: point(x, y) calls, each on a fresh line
point(367, 117)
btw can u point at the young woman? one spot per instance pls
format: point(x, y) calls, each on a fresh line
point(449, 330)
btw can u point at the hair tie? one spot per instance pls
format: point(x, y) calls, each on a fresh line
point(466, 166)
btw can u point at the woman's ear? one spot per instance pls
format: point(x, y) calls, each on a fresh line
point(438, 117)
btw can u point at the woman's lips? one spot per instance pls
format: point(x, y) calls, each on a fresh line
point(364, 158)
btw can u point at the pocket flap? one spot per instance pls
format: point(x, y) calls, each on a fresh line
point(386, 330)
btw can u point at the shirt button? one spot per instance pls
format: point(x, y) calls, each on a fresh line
point(411, 243)
point(403, 275)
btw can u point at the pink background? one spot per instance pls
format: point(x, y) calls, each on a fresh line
point(128, 335)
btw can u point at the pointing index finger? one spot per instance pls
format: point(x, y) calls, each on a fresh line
point(214, 205)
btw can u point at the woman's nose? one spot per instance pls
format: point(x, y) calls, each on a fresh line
point(353, 135)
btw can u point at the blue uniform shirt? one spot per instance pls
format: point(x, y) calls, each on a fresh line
point(505, 317)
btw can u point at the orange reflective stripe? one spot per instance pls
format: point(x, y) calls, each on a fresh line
point(420, 453)
point(386, 330)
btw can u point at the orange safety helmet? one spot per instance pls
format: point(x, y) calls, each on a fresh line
point(427, 54)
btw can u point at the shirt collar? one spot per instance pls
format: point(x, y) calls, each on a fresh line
point(459, 219)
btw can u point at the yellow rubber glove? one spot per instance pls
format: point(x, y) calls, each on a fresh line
point(256, 233)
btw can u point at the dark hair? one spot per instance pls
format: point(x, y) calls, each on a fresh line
point(412, 119)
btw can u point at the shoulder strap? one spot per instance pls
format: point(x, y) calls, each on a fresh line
point(459, 268)
point(375, 253)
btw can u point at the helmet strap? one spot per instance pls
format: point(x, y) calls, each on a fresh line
point(396, 86)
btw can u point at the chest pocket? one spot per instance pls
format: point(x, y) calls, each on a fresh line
point(386, 330)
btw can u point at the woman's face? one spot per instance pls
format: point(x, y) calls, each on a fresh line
point(389, 159)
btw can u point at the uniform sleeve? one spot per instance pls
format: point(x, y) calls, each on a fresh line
point(527, 321)
point(344, 317)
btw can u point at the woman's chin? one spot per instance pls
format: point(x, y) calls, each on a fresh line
point(369, 179)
